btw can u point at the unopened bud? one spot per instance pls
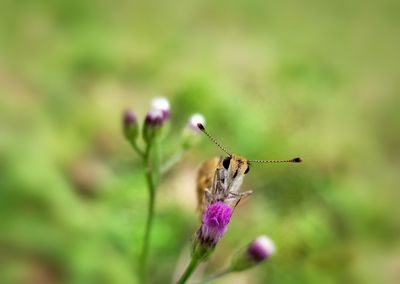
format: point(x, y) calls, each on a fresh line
point(130, 126)
point(162, 104)
point(194, 120)
point(152, 124)
point(257, 251)
point(191, 133)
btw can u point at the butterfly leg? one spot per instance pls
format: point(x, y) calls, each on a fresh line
point(208, 195)
point(239, 195)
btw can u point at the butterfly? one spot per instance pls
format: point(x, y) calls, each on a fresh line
point(220, 178)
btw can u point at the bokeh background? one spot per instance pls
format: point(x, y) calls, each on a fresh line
point(274, 79)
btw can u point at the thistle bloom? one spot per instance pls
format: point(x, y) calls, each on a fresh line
point(214, 224)
point(257, 251)
point(161, 104)
point(215, 221)
point(130, 125)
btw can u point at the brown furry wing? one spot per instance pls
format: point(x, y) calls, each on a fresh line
point(205, 178)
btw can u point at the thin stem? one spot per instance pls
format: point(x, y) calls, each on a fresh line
point(172, 161)
point(151, 183)
point(147, 236)
point(189, 270)
point(215, 276)
point(136, 147)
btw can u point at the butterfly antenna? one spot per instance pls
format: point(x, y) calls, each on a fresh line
point(294, 160)
point(201, 127)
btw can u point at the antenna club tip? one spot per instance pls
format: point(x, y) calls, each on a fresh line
point(297, 160)
point(200, 126)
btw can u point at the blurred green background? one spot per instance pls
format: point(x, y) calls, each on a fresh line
point(274, 79)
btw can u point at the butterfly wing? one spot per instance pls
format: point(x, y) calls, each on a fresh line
point(205, 178)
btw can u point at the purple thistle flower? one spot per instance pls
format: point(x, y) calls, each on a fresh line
point(214, 225)
point(215, 221)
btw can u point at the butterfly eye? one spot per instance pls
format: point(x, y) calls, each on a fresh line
point(226, 162)
point(247, 170)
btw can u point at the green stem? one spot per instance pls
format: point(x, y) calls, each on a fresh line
point(172, 161)
point(152, 184)
point(215, 276)
point(147, 235)
point(189, 270)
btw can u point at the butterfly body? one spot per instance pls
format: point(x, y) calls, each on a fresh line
point(220, 178)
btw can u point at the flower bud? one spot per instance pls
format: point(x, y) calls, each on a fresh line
point(161, 104)
point(257, 251)
point(152, 123)
point(156, 117)
point(194, 120)
point(214, 225)
point(191, 133)
point(130, 126)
